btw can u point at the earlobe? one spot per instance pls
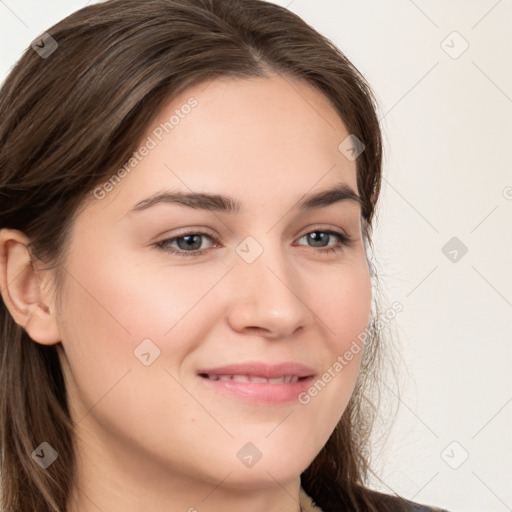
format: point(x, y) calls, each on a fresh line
point(22, 291)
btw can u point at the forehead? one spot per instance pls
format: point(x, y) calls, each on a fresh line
point(259, 139)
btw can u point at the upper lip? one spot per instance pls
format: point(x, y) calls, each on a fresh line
point(260, 369)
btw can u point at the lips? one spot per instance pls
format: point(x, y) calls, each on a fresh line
point(258, 382)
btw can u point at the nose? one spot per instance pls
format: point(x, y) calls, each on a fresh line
point(269, 298)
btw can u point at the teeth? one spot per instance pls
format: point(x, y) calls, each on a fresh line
point(240, 378)
point(257, 379)
point(246, 378)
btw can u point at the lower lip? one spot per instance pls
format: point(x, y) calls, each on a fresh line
point(261, 392)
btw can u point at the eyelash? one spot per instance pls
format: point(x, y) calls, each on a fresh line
point(344, 241)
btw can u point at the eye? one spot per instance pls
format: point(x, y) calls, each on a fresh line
point(320, 236)
point(189, 244)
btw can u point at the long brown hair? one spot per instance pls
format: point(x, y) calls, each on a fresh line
point(69, 120)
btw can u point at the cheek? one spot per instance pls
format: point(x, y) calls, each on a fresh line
point(350, 314)
point(343, 310)
point(110, 306)
point(113, 303)
point(344, 304)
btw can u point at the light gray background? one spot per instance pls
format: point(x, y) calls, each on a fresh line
point(447, 118)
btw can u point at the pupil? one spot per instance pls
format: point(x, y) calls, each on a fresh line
point(189, 241)
point(315, 236)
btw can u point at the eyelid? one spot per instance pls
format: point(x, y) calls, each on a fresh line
point(195, 230)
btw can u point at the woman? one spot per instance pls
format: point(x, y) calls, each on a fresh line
point(188, 323)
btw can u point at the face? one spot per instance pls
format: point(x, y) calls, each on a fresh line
point(160, 295)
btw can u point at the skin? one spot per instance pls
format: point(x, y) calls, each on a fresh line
point(155, 437)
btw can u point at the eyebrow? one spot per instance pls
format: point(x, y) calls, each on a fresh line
point(226, 204)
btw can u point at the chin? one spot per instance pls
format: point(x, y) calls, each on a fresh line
point(257, 478)
point(282, 467)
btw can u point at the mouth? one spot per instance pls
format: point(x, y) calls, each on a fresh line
point(258, 382)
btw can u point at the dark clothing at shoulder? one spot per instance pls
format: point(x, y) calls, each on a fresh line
point(425, 508)
point(366, 499)
point(403, 504)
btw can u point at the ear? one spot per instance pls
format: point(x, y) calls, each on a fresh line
point(23, 292)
